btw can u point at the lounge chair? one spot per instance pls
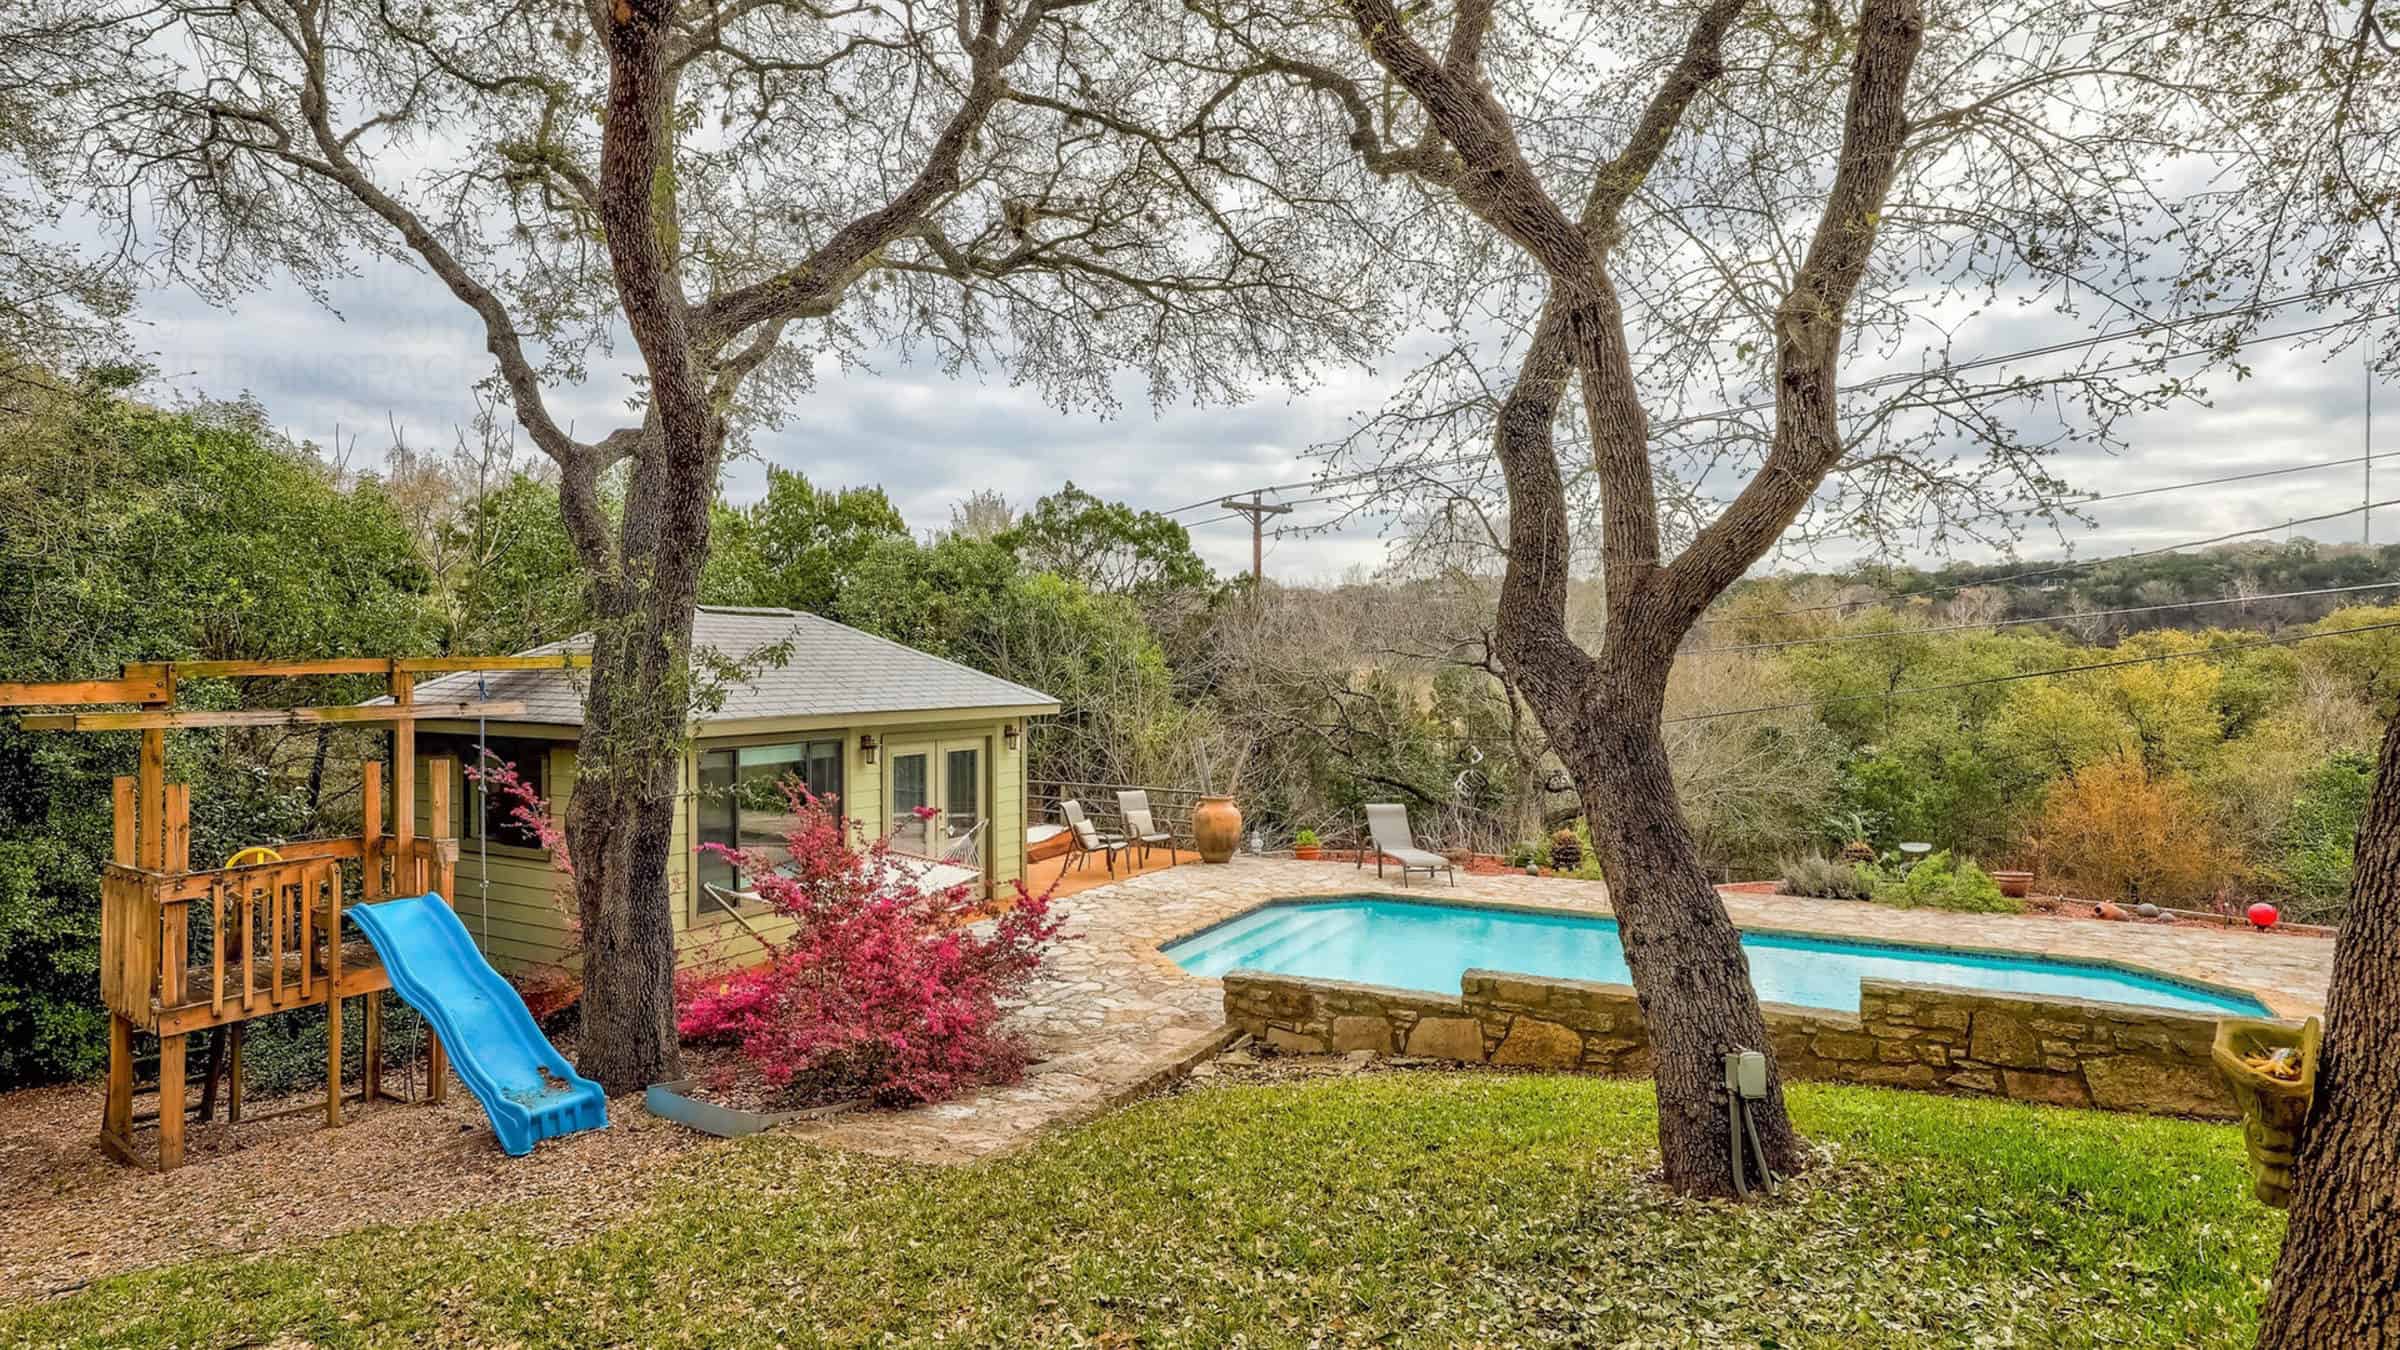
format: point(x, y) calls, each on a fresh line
point(1088, 838)
point(1141, 831)
point(1387, 825)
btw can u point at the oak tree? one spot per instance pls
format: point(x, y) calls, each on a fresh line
point(756, 192)
point(1679, 223)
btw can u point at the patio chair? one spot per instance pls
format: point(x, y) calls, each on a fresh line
point(1088, 838)
point(1142, 832)
point(1387, 825)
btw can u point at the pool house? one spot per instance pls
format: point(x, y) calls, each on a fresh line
point(881, 726)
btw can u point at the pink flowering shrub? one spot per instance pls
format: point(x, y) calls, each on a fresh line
point(883, 989)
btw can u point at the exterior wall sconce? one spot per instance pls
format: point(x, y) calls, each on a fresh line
point(866, 746)
point(1009, 735)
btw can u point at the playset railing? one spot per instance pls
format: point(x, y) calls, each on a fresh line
point(184, 951)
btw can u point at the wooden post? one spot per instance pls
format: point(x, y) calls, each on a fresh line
point(116, 1116)
point(174, 843)
point(179, 827)
point(233, 1074)
point(150, 851)
point(372, 1086)
point(216, 1070)
point(150, 811)
point(175, 921)
point(437, 1068)
point(441, 871)
point(122, 798)
point(116, 1119)
point(370, 831)
point(404, 779)
point(216, 942)
point(333, 1006)
point(170, 1102)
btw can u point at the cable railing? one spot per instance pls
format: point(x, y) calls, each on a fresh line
point(1170, 807)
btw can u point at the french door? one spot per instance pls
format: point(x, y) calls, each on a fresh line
point(946, 776)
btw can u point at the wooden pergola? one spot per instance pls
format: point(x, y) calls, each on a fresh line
point(271, 940)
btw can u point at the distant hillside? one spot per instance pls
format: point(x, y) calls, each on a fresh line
point(2067, 590)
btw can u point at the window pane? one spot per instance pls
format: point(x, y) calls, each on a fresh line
point(766, 818)
point(910, 790)
point(963, 784)
point(716, 823)
point(962, 788)
point(825, 768)
point(497, 821)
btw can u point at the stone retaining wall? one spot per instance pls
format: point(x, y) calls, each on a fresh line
point(2066, 1052)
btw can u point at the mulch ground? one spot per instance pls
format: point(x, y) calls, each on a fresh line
point(74, 1215)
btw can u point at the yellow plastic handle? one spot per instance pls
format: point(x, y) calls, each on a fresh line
point(256, 853)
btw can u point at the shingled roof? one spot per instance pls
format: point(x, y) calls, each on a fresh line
point(834, 671)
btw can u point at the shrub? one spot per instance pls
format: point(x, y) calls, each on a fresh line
point(1939, 883)
point(2315, 850)
point(882, 989)
point(1305, 839)
point(2113, 831)
point(1823, 878)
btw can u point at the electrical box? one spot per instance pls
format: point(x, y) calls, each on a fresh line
point(1746, 1074)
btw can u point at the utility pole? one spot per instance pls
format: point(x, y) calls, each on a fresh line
point(1257, 509)
point(2366, 450)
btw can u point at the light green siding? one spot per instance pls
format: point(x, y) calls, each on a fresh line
point(512, 901)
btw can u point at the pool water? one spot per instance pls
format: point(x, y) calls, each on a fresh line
point(1404, 945)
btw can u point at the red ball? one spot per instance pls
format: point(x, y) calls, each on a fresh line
point(2263, 915)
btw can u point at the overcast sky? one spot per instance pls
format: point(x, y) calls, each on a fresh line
point(393, 347)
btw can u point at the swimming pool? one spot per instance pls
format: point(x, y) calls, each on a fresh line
point(1406, 945)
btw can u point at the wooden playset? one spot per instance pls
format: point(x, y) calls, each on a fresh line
point(185, 951)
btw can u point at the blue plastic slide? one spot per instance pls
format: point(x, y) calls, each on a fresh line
point(526, 1087)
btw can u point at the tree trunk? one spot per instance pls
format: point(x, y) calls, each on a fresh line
point(1689, 972)
point(620, 827)
point(2338, 1282)
point(621, 820)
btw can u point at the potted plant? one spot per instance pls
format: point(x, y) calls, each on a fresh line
point(1566, 851)
point(2015, 883)
point(1305, 846)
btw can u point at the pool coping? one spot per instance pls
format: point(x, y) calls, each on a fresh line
point(2274, 1004)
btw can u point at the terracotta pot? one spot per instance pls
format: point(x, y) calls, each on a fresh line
point(1307, 852)
point(1216, 829)
point(2014, 885)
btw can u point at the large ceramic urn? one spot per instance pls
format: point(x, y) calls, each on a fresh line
point(1216, 829)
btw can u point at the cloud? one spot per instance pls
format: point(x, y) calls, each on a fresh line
point(392, 348)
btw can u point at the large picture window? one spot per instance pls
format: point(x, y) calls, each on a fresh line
point(743, 804)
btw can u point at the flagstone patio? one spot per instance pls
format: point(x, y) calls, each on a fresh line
point(1114, 1017)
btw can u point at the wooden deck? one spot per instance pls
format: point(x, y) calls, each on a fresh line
point(1070, 878)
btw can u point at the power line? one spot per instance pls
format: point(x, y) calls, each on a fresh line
point(1914, 690)
point(2089, 499)
point(2054, 618)
point(1905, 377)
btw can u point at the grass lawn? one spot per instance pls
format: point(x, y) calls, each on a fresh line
point(1410, 1208)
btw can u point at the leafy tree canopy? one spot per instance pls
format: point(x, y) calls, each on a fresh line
point(1107, 546)
point(793, 546)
